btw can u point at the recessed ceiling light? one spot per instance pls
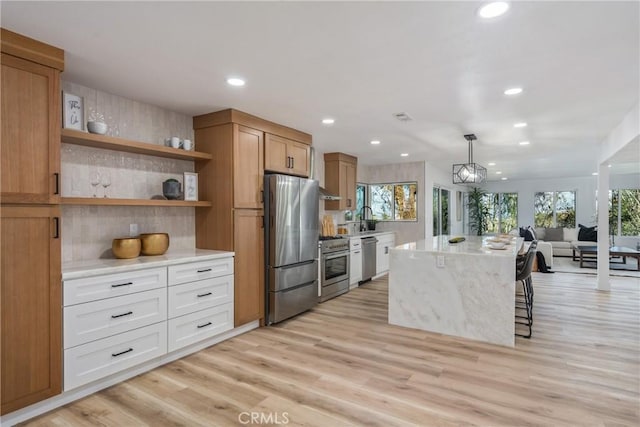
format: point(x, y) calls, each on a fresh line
point(235, 81)
point(328, 121)
point(504, 178)
point(520, 125)
point(498, 172)
point(492, 164)
point(513, 91)
point(404, 154)
point(609, 166)
point(493, 10)
point(524, 143)
point(375, 142)
point(594, 173)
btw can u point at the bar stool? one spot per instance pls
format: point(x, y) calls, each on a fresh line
point(524, 265)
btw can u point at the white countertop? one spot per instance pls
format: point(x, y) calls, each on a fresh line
point(368, 234)
point(94, 267)
point(473, 245)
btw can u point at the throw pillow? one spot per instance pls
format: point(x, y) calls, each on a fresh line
point(570, 234)
point(528, 234)
point(533, 233)
point(553, 234)
point(587, 234)
point(540, 233)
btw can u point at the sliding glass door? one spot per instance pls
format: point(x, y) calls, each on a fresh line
point(441, 217)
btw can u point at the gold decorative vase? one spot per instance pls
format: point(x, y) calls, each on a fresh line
point(126, 247)
point(154, 243)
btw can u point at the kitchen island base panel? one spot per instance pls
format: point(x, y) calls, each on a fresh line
point(40, 408)
point(472, 296)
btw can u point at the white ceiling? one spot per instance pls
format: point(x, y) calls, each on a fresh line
point(360, 62)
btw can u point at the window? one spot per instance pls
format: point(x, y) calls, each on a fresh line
point(624, 212)
point(361, 199)
point(555, 209)
point(502, 211)
point(394, 202)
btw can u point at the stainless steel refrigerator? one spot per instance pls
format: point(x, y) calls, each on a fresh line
point(291, 245)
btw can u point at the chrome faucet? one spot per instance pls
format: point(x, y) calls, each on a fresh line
point(362, 216)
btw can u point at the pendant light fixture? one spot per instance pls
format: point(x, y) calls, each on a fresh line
point(470, 172)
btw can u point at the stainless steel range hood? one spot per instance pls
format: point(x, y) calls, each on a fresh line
point(324, 194)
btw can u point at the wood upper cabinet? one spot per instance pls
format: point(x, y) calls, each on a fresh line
point(340, 179)
point(249, 265)
point(31, 301)
point(248, 170)
point(286, 156)
point(30, 148)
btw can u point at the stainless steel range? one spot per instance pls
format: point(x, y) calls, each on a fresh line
point(334, 267)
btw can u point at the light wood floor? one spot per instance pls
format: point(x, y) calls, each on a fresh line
point(341, 364)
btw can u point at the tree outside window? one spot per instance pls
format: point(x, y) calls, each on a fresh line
point(555, 209)
point(502, 211)
point(624, 212)
point(394, 202)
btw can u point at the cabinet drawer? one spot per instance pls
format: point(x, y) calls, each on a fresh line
point(192, 271)
point(197, 326)
point(111, 285)
point(107, 356)
point(99, 319)
point(195, 296)
point(355, 244)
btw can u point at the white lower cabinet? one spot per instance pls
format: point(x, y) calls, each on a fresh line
point(113, 322)
point(194, 327)
point(190, 297)
point(355, 275)
point(99, 319)
point(385, 242)
point(97, 359)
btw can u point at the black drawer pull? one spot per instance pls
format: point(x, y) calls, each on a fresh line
point(57, 182)
point(121, 353)
point(204, 295)
point(115, 316)
point(202, 326)
point(204, 271)
point(122, 284)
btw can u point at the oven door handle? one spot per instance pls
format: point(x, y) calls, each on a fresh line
point(338, 255)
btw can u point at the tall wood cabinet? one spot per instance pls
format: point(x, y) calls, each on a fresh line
point(233, 182)
point(30, 277)
point(340, 172)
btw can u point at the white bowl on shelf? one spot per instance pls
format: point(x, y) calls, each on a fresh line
point(99, 128)
point(497, 245)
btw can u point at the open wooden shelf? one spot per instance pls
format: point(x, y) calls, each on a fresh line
point(77, 137)
point(101, 201)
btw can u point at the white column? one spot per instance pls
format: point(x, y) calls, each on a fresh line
point(603, 227)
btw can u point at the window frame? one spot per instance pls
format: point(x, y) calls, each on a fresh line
point(554, 202)
point(393, 204)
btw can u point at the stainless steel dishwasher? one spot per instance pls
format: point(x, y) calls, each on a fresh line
point(368, 258)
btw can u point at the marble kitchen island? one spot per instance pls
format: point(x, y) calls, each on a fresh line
point(462, 289)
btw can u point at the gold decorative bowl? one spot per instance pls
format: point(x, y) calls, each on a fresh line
point(154, 243)
point(126, 247)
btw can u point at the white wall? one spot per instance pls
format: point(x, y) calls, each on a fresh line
point(624, 133)
point(436, 177)
point(406, 231)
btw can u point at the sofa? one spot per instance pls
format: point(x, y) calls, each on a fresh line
point(562, 240)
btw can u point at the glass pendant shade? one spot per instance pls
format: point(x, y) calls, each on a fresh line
point(470, 172)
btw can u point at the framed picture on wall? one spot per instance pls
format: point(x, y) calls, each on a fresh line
point(191, 186)
point(72, 111)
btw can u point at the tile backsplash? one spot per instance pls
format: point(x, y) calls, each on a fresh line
point(87, 231)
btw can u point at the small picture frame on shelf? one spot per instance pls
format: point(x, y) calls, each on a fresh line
point(191, 186)
point(72, 111)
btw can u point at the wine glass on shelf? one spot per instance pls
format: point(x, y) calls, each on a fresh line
point(106, 181)
point(94, 179)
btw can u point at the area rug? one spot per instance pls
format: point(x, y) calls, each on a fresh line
point(567, 265)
